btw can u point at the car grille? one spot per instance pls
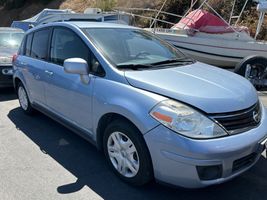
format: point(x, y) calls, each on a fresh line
point(244, 162)
point(239, 121)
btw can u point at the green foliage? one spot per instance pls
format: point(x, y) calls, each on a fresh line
point(45, 1)
point(224, 7)
point(176, 6)
point(2, 2)
point(11, 4)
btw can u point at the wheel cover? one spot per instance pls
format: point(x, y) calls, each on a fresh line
point(123, 154)
point(23, 98)
point(254, 72)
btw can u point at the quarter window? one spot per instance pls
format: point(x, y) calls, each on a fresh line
point(40, 44)
point(28, 45)
point(21, 50)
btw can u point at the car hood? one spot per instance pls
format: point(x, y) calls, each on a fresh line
point(208, 88)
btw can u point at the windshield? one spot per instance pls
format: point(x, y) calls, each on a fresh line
point(132, 47)
point(10, 39)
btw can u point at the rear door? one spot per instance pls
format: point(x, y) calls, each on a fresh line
point(33, 63)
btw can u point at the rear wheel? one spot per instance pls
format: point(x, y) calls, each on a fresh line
point(24, 99)
point(127, 153)
point(254, 68)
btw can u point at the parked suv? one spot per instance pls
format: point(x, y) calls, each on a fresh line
point(10, 39)
point(151, 109)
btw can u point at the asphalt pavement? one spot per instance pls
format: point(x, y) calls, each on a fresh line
point(40, 159)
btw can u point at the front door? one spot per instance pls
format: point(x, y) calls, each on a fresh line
point(66, 95)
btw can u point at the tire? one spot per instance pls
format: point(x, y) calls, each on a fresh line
point(24, 100)
point(129, 138)
point(258, 65)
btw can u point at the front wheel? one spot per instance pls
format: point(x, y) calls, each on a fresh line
point(254, 68)
point(127, 153)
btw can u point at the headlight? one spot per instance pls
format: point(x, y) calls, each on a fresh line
point(185, 120)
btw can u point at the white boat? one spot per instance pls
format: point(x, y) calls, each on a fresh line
point(214, 41)
point(224, 50)
point(209, 38)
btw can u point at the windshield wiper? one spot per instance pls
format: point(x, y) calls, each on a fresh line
point(180, 61)
point(134, 66)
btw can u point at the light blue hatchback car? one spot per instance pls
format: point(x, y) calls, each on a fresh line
point(155, 112)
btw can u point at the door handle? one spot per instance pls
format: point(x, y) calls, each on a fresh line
point(50, 73)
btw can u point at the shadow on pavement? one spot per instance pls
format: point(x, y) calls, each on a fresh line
point(7, 94)
point(89, 166)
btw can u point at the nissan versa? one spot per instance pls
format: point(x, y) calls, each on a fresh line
point(155, 112)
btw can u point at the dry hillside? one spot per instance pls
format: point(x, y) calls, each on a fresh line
point(31, 8)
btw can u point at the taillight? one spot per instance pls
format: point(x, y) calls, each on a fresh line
point(14, 57)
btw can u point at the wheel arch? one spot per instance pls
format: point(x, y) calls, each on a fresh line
point(18, 78)
point(239, 68)
point(104, 121)
point(16, 82)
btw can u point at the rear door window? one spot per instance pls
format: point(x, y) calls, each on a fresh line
point(40, 44)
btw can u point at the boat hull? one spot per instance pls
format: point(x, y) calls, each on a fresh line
point(217, 60)
point(215, 49)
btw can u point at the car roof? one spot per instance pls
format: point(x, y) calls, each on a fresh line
point(9, 29)
point(82, 24)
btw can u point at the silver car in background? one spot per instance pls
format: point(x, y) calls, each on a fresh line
point(10, 39)
point(155, 112)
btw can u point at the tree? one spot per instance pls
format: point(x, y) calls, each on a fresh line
point(9, 4)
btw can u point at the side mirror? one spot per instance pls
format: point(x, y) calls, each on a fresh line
point(77, 66)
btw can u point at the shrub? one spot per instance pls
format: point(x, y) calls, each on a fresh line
point(10, 4)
